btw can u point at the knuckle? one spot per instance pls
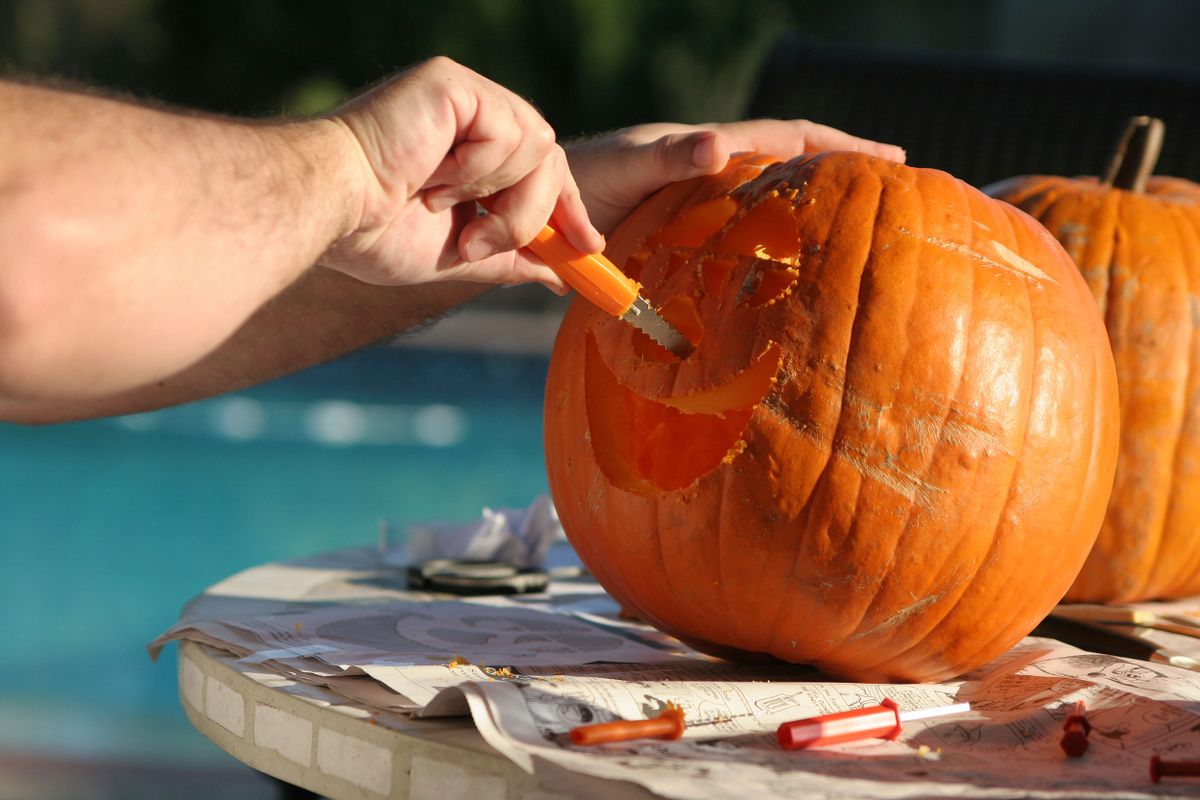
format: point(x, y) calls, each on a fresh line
point(556, 160)
point(523, 229)
point(661, 153)
point(441, 64)
point(472, 174)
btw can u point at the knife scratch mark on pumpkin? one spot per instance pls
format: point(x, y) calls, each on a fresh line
point(899, 480)
point(969, 435)
point(1011, 262)
point(899, 617)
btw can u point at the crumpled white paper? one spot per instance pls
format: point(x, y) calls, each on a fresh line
point(518, 536)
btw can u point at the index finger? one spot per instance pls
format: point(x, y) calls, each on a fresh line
point(785, 138)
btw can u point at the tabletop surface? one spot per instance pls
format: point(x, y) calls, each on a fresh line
point(321, 740)
point(318, 740)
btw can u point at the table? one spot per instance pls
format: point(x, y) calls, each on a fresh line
point(315, 739)
point(320, 740)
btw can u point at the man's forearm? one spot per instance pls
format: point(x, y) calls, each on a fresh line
point(134, 241)
point(323, 315)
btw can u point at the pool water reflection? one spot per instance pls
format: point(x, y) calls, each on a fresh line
point(109, 526)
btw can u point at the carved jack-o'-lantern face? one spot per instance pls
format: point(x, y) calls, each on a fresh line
point(889, 451)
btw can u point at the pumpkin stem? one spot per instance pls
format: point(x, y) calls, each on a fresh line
point(1135, 155)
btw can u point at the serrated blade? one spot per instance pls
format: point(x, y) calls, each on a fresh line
point(603, 283)
point(643, 316)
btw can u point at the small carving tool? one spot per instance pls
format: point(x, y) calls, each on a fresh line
point(668, 724)
point(601, 282)
point(1158, 768)
point(1076, 728)
point(883, 721)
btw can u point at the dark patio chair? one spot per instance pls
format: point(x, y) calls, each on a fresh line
point(981, 119)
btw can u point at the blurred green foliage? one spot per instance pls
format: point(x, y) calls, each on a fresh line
point(588, 64)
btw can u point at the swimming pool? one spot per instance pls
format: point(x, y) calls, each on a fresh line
point(109, 526)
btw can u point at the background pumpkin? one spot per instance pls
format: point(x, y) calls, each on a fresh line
point(891, 449)
point(1136, 240)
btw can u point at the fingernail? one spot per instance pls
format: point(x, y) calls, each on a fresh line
point(480, 249)
point(439, 202)
point(703, 152)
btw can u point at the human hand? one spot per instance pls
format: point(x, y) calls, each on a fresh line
point(616, 172)
point(431, 140)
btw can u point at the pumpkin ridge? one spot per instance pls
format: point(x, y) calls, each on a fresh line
point(1165, 575)
point(838, 446)
point(1110, 209)
point(1114, 527)
point(1095, 468)
point(1188, 577)
point(822, 247)
point(1041, 196)
point(905, 531)
point(909, 527)
point(963, 583)
point(1001, 632)
point(774, 641)
point(1137, 568)
point(1110, 306)
point(1095, 437)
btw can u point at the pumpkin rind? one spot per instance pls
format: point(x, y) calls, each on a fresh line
point(1140, 255)
point(923, 476)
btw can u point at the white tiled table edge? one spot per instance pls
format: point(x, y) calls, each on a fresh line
point(334, 754)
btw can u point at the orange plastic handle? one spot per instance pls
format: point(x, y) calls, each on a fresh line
point(667, 725)
point(590, 274)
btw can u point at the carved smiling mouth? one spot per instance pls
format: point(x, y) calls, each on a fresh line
point(656, 444)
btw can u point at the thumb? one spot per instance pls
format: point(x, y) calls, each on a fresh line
point(614, 180)
point(680, 156)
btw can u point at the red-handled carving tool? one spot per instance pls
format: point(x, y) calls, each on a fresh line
point(873, 722)
point(601, 282)
point(1076, 728)
point(1158, 768)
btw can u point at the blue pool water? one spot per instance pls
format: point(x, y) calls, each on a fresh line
point(109, 526)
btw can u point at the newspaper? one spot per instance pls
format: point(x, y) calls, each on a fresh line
point(415, 648)
point(1006, 745)
point(528, 669)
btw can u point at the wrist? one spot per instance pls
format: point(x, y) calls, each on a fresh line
point(332, 169)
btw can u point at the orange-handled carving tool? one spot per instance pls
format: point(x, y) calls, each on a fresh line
point(668, 724)
point(602, 283)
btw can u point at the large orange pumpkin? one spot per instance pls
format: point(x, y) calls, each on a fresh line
point(891, 449)
point(1136, 239)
